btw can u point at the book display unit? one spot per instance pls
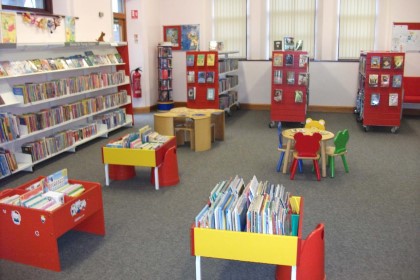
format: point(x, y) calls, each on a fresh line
point(56, 97)
point(212, 80)
point(28, 235)
point(253, 222)
point(289, 86)
point(165, 101)
point(380, 83)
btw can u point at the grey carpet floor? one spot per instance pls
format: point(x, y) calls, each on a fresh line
point(371, 215)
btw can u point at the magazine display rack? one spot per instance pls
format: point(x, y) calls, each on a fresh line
point(139, 157)
point(165, 101)
point(289, 86)
point(94, 100)
point(380, 83)
point(212, 80)
point(29, 235)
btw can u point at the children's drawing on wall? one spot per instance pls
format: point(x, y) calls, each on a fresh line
point(70, 25)
point(8, 27)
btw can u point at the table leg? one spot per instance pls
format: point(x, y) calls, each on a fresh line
point(286, 156)
point(106, 174)
point(293, 274)
point(323, 160)
point(157, 177)
point(197, 268)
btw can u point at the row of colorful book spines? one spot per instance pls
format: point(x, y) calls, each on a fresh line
point(42, 91)
point(229, 82)
point(16, 68)
point(164, 51)
point(228, 65)
point(47, 146)
point(8, 163)
point(54, 116)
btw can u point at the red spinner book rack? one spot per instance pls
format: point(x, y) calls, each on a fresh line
point(29, 236)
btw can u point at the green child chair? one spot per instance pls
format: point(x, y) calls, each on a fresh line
point(339, 149)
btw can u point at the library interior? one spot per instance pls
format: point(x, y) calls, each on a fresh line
point(210, 139)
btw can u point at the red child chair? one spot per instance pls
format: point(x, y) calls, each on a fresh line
point(306, 147)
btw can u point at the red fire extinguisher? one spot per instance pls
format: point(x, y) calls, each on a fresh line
point(136, 82)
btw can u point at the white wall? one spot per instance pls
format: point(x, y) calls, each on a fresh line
point(332, 83)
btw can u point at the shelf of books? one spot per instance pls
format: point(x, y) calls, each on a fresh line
point(260, 214)
point(212, 80)
point(145, 148)
point(379, 97)
point(55, 99)
point(35, 214)
point(165, 76)
point(289, 86)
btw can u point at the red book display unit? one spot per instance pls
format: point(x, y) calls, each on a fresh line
point(202, 80)
point(380, 84)
point(29, 235)
point(123, 51)
point(289, 86)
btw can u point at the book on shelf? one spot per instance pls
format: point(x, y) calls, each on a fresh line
point(393, 99)
point(303, 60)
point(375, 99)
point(211, 57)
point(290, 78)
point(299, 45)
point(278, 77)
point(289, 43)
point(211, 93)
point(373, 80)
point(298, 96)
point(191, 93)
point(398, 61)
point(375, 62)
point(289, 59)
point(190, 60)
point(278, 95)
point(278, 45)
point(303, 79)
point(3, 72)
point(201, 77)
point(277, 59)
point(191, 77)
point(201, 59)
point(210, 76)
point(396, 81)
point(385, 80)
point(386, 62)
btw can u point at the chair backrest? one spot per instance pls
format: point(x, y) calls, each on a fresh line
point(307, 145)
point(340, 141)
point(310, 123)
point(280, 135)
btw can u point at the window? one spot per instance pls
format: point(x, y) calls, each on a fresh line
point(292, 18)
point(119, 26)
point(38, 6)
point(229, 25)
point(357, 27)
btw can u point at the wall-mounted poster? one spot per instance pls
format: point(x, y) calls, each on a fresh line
point(8, 27)
point(190, 37)
point(70, 27)
point(172, 34)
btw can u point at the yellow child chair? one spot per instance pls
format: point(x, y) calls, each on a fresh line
point(310, 123)
point(339, 149)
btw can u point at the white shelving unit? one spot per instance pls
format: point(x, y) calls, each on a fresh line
point(14, 104)
point(228, 66)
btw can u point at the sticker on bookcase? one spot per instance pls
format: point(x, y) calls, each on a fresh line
point(77, 207)
point(16, 218)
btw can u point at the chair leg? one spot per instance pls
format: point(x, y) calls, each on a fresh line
point(300, 165)
point(293, 169)
point(332, 166)
point(280, 162)
point(346, 167)
point(316, 166)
